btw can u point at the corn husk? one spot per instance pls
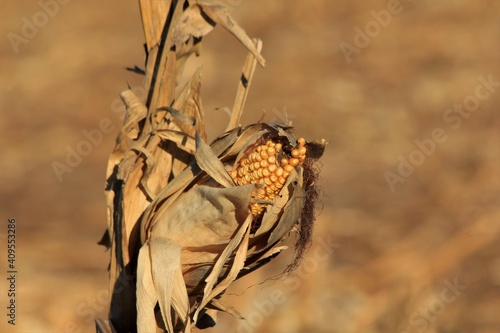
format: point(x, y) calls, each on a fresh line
point(179, 228)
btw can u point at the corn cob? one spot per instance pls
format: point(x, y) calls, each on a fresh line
point(268, 166)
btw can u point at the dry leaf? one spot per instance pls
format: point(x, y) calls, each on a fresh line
point(191, 23)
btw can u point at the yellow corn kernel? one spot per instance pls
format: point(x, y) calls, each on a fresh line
point(293, 162)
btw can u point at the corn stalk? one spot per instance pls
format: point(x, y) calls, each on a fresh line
point(185, 218)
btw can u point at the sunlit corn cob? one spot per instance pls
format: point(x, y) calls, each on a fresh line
point(269, 166)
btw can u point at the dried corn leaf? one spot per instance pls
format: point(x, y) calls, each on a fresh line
point(146, 294)
point(165, 266)
point(270, 216)
point(243, 87)
point(186, 220)
point(290, 212)
point(104, 326)
point(219, 305)
point(208, 162)
point(191, 23)
point(154, 15)
point(238, 242)
point(201, 216)
point(189, 103)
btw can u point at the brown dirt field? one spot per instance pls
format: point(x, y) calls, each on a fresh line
point(420, 257)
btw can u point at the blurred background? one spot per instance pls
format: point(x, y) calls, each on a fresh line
point(407, 237)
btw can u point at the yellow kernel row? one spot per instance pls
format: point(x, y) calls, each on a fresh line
point(262, 167)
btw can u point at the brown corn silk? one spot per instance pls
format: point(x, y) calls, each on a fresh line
point(182, 225)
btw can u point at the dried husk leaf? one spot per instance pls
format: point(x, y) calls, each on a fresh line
point(146, 294)
point(165, 266)
point(153, 15)
point(219, 305)
point(208, 162)
point(191, 23)
point(243, 87)
point(104, 326)
point(240, 241)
